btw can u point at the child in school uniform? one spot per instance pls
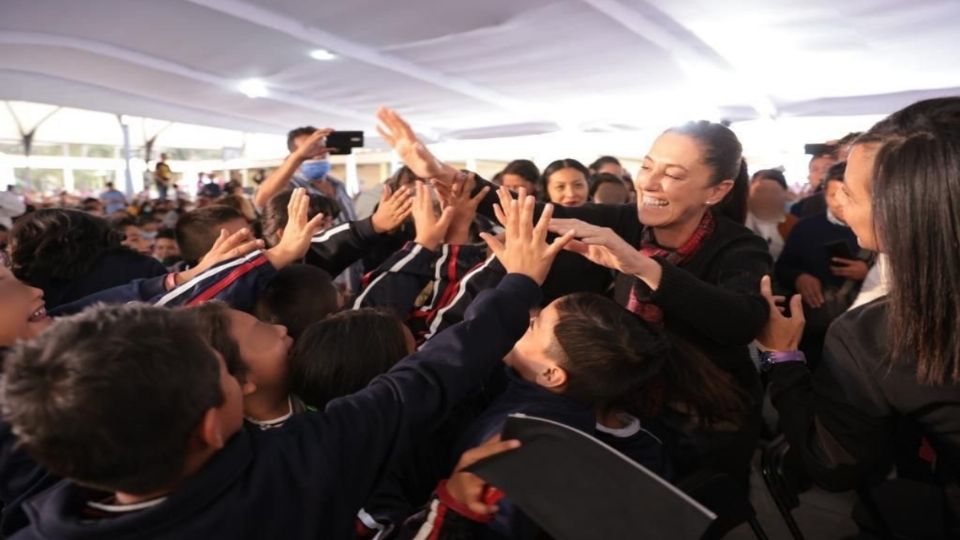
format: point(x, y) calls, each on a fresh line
point(141, 415)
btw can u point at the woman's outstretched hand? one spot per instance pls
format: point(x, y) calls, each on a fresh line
point(526, 250)
point(401, 137)
point(603, 246)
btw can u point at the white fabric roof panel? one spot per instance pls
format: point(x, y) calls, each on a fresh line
point(465, 68)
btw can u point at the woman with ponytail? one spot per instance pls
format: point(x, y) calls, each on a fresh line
point(684, 259)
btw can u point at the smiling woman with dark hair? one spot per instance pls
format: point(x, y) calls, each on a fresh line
point(682, 257)
point(894, 364)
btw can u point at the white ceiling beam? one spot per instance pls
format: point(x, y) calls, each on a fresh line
point(166, 66)
point(362, 53)
point(680, 42)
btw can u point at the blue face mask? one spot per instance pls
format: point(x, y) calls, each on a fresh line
point(315, 169)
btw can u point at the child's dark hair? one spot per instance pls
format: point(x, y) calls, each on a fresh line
point(607, 352)
point(616, 360)
point(342, 354)
point(723, 153)
point(836, 172)
point(558, 165)
point(212, 321)
point(604, 160)
point(275, 215)
point(197, 230)
point(59, 244)
point(600, 179)
point(524, 168)
point(298, 296)
point(110, 398)
point(774, 175)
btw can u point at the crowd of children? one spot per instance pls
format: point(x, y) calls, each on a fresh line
point(220, 384)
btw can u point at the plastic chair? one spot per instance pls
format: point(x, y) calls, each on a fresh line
point(783, 481)
point(721, 494)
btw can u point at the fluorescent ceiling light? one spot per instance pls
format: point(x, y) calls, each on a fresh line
point(322, 54)
point(254, 88)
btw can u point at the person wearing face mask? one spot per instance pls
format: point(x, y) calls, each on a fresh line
point(892, 366)
point(307, 167)
point(683, 257)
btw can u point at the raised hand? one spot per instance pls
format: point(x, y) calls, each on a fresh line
point(393, 210)
point(781, 333)
point(401, 137)
point(601, 245)
point(298, 233)
point(526, 250)
point(431, 229)
point(225, 248)
point(314, 146)
point(457, 197)
point(469, 489)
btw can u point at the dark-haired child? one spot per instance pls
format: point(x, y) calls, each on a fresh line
point(113, 371)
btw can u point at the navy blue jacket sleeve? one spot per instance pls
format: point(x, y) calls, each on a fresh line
point(237, 282)
point(138, 290)
point(454, 264)
point(20, 478)
point(460, 295)
point(399, 280)
point(336, 249)
point(355, 438)
point(789, 265)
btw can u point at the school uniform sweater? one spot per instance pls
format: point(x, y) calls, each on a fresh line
point(308, 479)
point(112, 268)
point(804, 252)
point(522, 396)
point(238, 281)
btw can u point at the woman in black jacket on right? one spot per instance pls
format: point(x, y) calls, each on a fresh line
point(684, 259)
point(895, 361)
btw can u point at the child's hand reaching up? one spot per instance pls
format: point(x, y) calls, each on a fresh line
point(431, 229)
point(526, 250)
point(297, 234)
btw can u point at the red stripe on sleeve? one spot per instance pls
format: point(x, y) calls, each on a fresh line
point(230, 279)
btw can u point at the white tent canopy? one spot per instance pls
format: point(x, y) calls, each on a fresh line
point(462, 69)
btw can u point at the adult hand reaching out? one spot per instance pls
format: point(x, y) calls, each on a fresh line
point(526, 250)
point(298, 233)
point(781, 333)
point(314, 146)
point(401, 137)
point(603, 246)
point(431, 229)
point(393, 210)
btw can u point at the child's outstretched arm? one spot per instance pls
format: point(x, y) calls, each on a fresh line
point(361, 433)
point(336, 249)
